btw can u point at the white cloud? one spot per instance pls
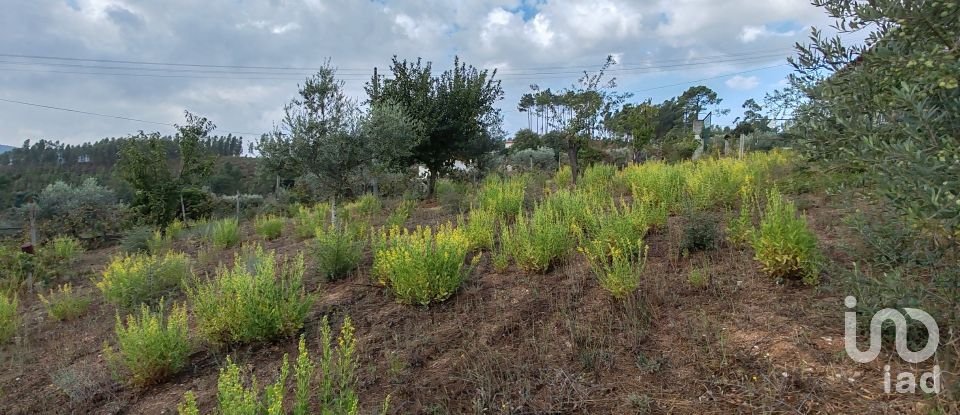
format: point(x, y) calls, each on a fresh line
point(749, 34)
point(742, 83)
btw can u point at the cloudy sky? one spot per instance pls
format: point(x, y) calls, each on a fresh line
point(238, 61)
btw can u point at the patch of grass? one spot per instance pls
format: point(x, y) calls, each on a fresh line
point(536, 242)
point(421, 266)
point(699, 278)
point(225, 233)
point(63, 304)
point(66, 249)
point(9, 319)
point(132, 279)
point(151, 346)
point(159, 243)
point(784, 245)
point(259, 299)
point(338, 250)
point(136, 240)
point(270, 227)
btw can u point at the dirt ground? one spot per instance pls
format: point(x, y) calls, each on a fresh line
point(517, 344)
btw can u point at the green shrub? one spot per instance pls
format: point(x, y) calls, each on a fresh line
point(622, 227)
point(151, 346)
point(784, 245)
point(400, 215)
point(700, 232)
point(132, 279)
point(175, 229)
point(88, 211)
point(600, 179)
point(421, 266)
point(538, 241)
point(364, 208)
point(564, 177)
point(502, 197)
point(338, 250)
point(63, 304)
point(658, 182)
point(617, 270)
point(66, 249)
point(235, 398)
point(452, 195)
point(308, 219)
point(699, 278)
point(136, 240)
point(269, 226)
point(159, 243)
point(9, 319)
point(225, 233)
point(479, 228)
point(259, 299)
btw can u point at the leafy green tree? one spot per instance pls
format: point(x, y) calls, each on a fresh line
point(455, 111)
point(637, 123)
point(324, 134)
point(890, 106)
point(526, 139)
point(143, 163)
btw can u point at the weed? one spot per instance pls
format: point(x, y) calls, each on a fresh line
point(364, 208)
point(537, 242)
point(9, 319)
point(479, 228)
point(225, 233)
point(699, 278)
point(258, 299)
point(502, 197)
point(400, 215)
point(452, 195)
point(136, 240)
point(617, 270)
point(63, 304)
point(133, 279)
point(564, 177)
point(151, 346)
point(338, 250)
point(159, 243)
point(307, 219)
point(270, 227)
point(66, 249)
point(421, 266)
point(784, 245)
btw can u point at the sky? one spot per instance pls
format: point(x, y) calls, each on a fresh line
point(238, 62)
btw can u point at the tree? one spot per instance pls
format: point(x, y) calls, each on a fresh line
point(590, 102)
point(324, 134)
point(455, 110)
point(143, 163)
point(753, 119)
point(525, 139)
point(891, 106)
point(638, 123)
point(696, 99)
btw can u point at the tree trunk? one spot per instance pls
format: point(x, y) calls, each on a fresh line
point(432, 182)
point(572, 151)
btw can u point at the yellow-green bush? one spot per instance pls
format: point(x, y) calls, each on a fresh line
point(158, 243)
point(783, 244)
point(132, 279)
point(564, 177)
point(338, 250)
point(617, 270)
point(9, 319)
point(259, 299)
point(421, 266)
point(622, 226)
point(574, 207)
point(364, 208)
point(502, 197)
point(307, 219)
point(151, 346)
point(335, 371)
point(656, 181)
point(269, 226)
point(66, 249)
point(402, 212)
point(63, 304)
point(479, 228)
point(225, 233)
point(537, 241)
point(599, 178)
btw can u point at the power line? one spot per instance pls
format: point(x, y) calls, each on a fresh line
point(364, 71)
point(118, 117)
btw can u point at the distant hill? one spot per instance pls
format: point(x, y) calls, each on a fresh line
point(4, 149)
